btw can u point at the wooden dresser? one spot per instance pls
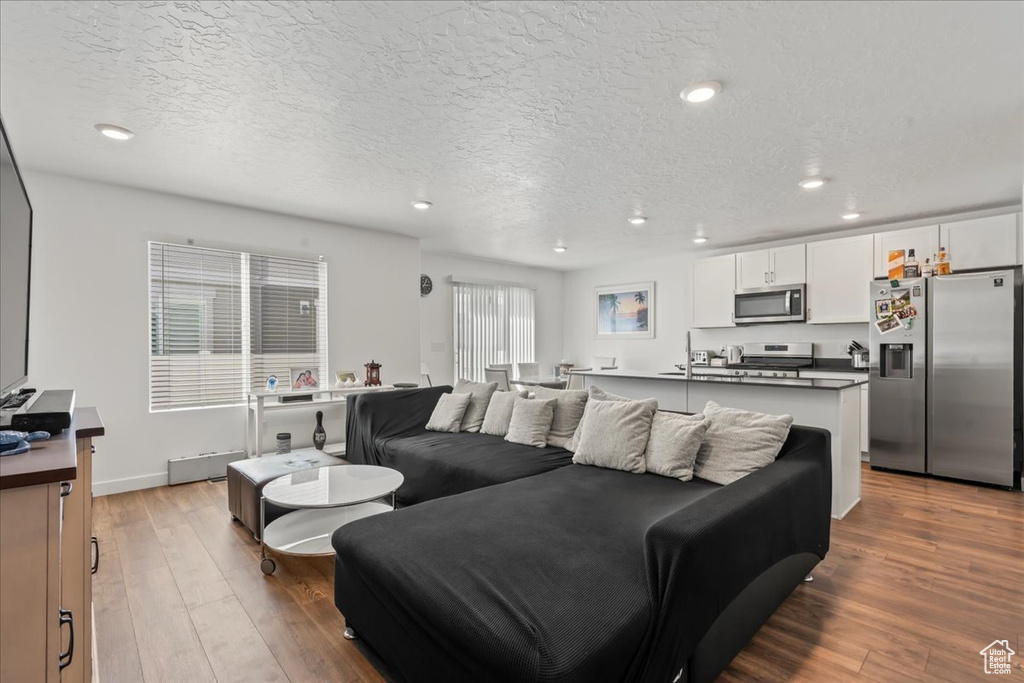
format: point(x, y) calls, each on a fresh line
point(46, 562)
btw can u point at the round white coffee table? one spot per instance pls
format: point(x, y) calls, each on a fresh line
point(324, 498)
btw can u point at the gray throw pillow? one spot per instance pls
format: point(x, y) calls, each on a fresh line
point(499, 412)
point(739, 442)
point(531, 421)
point(596, 394)
point(569, 408)
point(448, 412)
point(480, 393)
point(615, 434)
point(675, 440)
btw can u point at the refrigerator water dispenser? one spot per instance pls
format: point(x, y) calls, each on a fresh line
point(897, 361)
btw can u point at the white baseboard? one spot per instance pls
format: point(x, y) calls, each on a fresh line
point(146, 481)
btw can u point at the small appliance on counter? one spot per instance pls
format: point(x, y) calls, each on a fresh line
point(733, 353)
point(702, 357)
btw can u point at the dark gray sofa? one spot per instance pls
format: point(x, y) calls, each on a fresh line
point(585, 574)
point(389, 429)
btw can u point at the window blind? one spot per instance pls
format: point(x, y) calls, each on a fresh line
point(493, 324)
point(222, 321)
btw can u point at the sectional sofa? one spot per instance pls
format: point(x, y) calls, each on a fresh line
point(512, 564)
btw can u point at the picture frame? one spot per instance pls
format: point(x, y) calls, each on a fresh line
point(304, 378)
point(343, 376)
point(624, 311)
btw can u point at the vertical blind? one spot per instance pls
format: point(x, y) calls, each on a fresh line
point(493, 324)
point(222, 321)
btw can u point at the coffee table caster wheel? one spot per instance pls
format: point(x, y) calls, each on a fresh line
point(268, 566)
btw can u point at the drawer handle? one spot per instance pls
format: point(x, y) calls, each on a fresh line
point(95, 554)
point(65, 658)
point(65, 489)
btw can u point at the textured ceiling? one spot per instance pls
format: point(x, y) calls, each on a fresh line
point(527, 123)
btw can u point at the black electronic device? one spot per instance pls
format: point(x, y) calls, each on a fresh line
point(51, 411)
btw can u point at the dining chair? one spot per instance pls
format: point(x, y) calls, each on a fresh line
point(529, 370)
point(425, 374)
point(499, 375)
point(575, 381)
point(603, 363)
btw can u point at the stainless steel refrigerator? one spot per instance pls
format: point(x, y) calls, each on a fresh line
point(946, 388)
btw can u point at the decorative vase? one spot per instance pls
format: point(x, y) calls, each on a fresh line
point(319, 435)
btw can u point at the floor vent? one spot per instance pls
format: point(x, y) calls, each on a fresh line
point(201, 467)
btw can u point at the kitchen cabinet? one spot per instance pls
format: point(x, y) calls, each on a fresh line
point(768, 267)
point(924, 241)
point(712, 290)
point(982, 242)
point(838, 273)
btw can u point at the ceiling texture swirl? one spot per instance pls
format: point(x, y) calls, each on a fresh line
point(527, 124)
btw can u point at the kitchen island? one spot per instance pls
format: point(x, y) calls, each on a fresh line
point(832, 404)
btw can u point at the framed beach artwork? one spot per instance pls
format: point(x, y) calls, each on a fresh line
point(625, 311)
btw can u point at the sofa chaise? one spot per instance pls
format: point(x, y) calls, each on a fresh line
point(581, 573)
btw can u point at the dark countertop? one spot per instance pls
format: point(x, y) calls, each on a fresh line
point(796, 383)
point(55, 459)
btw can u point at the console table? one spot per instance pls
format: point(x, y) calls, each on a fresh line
point(259, 402)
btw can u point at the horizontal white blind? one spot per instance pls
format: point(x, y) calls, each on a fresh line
point(493, 324)
point(288, 320)
point(221, 321)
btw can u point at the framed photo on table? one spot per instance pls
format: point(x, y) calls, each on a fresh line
point(625, 311)
point(304, 378)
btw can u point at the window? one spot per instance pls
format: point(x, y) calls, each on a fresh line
point(494, 323)
point(222, 321)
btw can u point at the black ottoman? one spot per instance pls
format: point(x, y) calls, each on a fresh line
point(246, 479)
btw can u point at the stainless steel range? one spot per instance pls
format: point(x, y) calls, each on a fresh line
point(770, 359)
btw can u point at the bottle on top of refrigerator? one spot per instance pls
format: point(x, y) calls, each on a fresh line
point(927, 270)
point(911, 267)
point(942, 266)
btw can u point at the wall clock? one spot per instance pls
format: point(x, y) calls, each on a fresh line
point(426, 285)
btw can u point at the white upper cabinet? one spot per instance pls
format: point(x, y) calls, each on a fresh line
point(924, 241)
point(712, 290)
point(768, 267)
point(788, 265)
point(982, 242)
point(838, 273)
point(752, 269)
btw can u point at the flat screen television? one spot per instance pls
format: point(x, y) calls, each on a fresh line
point(15, 265)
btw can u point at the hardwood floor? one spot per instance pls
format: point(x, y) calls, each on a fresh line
point(921, 576)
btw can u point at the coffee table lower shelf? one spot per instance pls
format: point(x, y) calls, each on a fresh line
point(308, 532)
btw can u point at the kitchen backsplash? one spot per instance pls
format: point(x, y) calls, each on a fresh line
point(829, 340)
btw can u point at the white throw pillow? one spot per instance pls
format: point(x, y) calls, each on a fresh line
point(499, 412)
point(614, 434)
point(675, 440)
point(739, 442)
point(569, 409)
point(480, 397)
point(595, 394)
point(448, 412)
point(531, 421)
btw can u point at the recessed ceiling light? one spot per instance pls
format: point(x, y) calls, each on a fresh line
point(850, 216)
point(114, 132)
point(696, 93)
point(813, 183)
point(560, 249)
point(638, 220)
point(421, 205)
point(700, 240)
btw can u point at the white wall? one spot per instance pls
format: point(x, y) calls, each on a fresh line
point(90, 312)
point(674, 315)
point(436, 325)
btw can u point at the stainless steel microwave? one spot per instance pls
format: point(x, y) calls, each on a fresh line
point(780, 304)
